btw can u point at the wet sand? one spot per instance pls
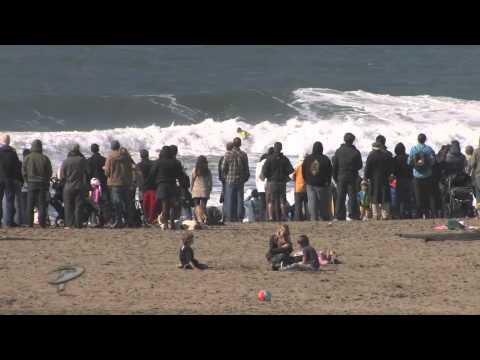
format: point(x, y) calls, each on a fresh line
point(134, 272)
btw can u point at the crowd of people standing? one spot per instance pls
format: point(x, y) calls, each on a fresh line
point(117, 192)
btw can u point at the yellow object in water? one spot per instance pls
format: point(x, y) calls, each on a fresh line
point(244, 134)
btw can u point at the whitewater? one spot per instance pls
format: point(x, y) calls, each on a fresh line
point(321, 115)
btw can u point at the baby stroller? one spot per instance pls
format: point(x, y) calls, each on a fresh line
point(460, 196)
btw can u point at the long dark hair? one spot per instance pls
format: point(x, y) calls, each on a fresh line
point(201, 167)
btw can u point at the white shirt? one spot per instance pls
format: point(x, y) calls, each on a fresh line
point(258, 171)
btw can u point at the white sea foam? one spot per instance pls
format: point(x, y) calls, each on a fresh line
point(399, 118)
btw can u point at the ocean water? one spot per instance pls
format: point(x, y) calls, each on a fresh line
point(197, 96)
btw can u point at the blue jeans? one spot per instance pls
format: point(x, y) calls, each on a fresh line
point(319, 200)
point(233, 210)
point(7, 189)
point(120, 203)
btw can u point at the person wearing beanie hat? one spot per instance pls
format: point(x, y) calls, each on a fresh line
point(74, 174)
point(37, 172)
point(10, 177)
point(378, 170)
point(346, 163)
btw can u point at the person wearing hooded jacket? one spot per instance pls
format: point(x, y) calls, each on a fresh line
point(347, 161)
point(37, 172)
point(118, 169)
point(74, 174)
point(403, 173)
point(277, 170)
point(10, 176)
point(378, 169)
point(317, 172)
point(455, 162)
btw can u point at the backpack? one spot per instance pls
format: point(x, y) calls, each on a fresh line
point(315, 168)
point(421, 161)
point(214, 216)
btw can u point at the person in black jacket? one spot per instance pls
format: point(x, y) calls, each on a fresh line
point(378, 169)
point(165, 173)
point(455, 161)
point(74, 173)
point(10, 172)
point(403, 173)
point(277, 170)
point(317, 173)
point(346, 164)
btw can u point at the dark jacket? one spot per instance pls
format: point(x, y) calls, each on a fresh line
point(143, 170)
point(401, 168)
point(118, 169)
point(10, 165)
point(275, 249)
point(166, 171)
point(74, 172)
point(95, 168)
point(277, 168)
point(37, 168)
point(455, 162)
point(324, 176)
point(346, 163)
point(378, 168)
point(221, 176)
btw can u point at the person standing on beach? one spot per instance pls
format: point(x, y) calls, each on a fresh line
point(10, 179)
point(261, 184)
point(422, 158)
point(378, 169)
point(277, 170)
point(118, 170)
point(236, 171)
point(148, 196)
point(317, 172)
point(37, 172)
point(201, 188)
point(221, 175)
point(347, 162)
point(403, 173)
point(74, 173)
point(165, 173)
point(96, 169)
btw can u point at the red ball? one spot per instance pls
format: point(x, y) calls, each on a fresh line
point(264, 295)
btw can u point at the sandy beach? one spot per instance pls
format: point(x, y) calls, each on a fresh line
point(134, 272)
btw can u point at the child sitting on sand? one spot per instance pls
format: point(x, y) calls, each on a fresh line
point(280, 247)
point(364, 201)
point(187, 259)
point(309, 262)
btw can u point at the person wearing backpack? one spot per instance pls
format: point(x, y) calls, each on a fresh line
point(277, 170)
point(422, 158)
point(317, 172)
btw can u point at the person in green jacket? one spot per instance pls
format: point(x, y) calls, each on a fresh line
point(37, 172)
